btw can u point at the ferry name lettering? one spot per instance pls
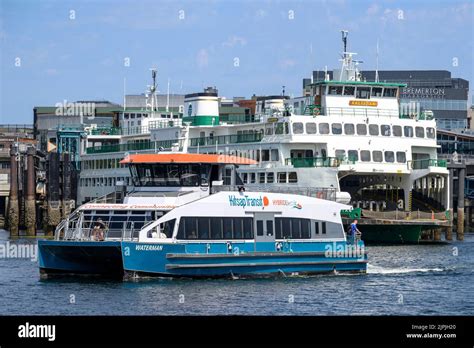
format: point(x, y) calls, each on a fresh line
point(245, 201)
point(149, 247)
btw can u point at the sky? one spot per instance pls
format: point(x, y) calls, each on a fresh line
point(56, 50)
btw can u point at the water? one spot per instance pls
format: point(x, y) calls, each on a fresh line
point(401, 280)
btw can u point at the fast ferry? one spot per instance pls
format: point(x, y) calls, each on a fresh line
point(181, 221)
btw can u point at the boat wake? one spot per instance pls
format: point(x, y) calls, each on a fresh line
point(372, 269)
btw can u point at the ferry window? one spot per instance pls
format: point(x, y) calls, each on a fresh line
point(269, 129)
point(278, 234)
point(279, 128)
point(389, 156)
point(419, 132)
point(349, 129)
point(248, 228)
point(298, 128)
point(340, 154)
point(259, 228)
point(430, 133)
point(385, 130)
point(287, 128)
point(397, 131)
point(261, 178)
point(173, 175)
point(324, 128)
point(181, 229)
point(310, 128)
point(390, 92)
point(245, 178)
point(282, 177)
point(190, 228)
point(305, 229)
point(285, 228)
point(190, 175)
point(216, 228)
point(353, 155)
point(227, 228)
point(376, 91)
point(274, 154)
point(349, 90)
point(168, 228)
point(132, 115)
point(203, 227)
point(361, 129)
point(252, 178)
point(408, 131)
point(373, 129)
point(401, 157)
point(316, 227)
point(323, 229)
point(377, 156)
point(292, 177)
point(363, 92)
point(335, 90)
point(365, 156)
point(265, 155)
point(238, 228)
point(295, 228)
point(270, 178)
point(336, 128)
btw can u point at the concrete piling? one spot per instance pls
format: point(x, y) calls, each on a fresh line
point(460, 224)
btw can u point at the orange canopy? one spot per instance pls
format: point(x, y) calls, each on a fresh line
point(186, 158)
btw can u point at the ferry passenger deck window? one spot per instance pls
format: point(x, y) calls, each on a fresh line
point(397, 131)
point(282, 177)
point(377, 156)
point(430, 133)
point(401, 157)
point(349, 129)
point(310, 128)
point(361, 129)
point(265, 155)
point(270, 178)
point(365, 156)
point(340, 154)
point(385, 130)
point(292, 177)
point(376, 91)
point(216, 228)
point(248, 228)
point(323, 227)
point(259, 228)
point(419, 132)
point(363, 92)
point(349, 90)
point(336, 128)
point(389, 156)
point(324, 128)
point(390, 92)
point(261, 178)
point(274, 154)
point(227, 228)
point(252, 178)
point(353, 155)
point(335, 90)
point(298, 128)
point(203, 227)
point(238, 228)
point(279, 128)
point(373, 129)
point(408, 131)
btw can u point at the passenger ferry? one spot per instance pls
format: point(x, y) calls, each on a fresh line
point(179, 215)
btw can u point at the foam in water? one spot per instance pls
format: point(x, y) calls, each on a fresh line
point(371, 269)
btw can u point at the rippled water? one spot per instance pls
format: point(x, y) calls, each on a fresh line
point(411, 280)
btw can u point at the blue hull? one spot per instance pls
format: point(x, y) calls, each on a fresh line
point(242, 260)
point(80, 258)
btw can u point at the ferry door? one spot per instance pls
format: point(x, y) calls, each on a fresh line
point(264, 227)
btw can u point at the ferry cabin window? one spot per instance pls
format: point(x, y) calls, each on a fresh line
point(349, 129)
point(298, 128)
point(168, 227)
point(259, 228)
point(265, 155)
point(349, 90)
point(323, 227)
point(353, 155)
point(365, 156)
point(274, 154)
point(324, 128)
point(269, 129)
point(408, 131)
point(336, 128)
point(269, 228)
point(310, 128)
point(261, 178)
point(373, 129)
point(292, 177)
point(401, 157)
point(282, 177)
point(215, 228)
point(377, 156)
point(385, 130)
point(361, 129)
point(390, 92)
point(245, 178)
point(252, 178)
point(430, 133)
point(397, 131)
point(292, 228)
point(270, 178)
point(335, 90)
point(389, 156)
point(363, 92)
point(279, 128)
point(419, 132)
point(340, 154)
point(376, 91)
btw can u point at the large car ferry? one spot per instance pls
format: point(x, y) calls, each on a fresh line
point(180, 220)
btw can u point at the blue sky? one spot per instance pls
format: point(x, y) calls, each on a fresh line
point(80, 55)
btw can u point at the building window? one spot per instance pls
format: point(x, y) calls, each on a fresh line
point(408, 131)
point(377, 156)
point(389, 157)
point(401, 157)
point(373, 129)
point(324, 128)
point(397, 131)
point(310, 128)
point(419, 132)
point(349, 129)
point(336, 128)
point(361, 129)
point(365, 156)
point(385, 130)
point(282, 177)
point(298, 128)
